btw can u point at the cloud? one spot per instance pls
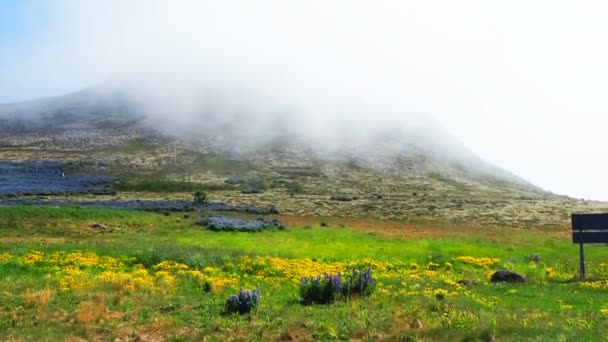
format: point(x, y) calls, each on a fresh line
point(520, 83)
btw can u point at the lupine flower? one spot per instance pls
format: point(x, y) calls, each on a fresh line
point(242, 303)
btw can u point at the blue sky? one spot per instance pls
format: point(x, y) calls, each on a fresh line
point(20, 21)
point(13, 28)
point(25, 28)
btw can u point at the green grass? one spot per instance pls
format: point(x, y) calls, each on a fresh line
point(550, 306)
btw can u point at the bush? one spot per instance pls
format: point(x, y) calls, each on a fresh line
point(200, 197)
point(344, 197)
point(235, 224)
point(326, 289)
point(359, 283)
point(295, 187)
point(242, 303)
point(320, 290)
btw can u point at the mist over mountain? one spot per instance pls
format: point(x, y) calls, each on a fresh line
point(242, 124)
point(510, 92)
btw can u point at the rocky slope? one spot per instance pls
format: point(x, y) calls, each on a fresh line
point(414, 174)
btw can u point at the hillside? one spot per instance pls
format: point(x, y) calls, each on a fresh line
point(412, 174)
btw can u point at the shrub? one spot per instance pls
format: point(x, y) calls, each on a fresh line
point(320, 290)
point(242, 303)
point(200, 197)
point(227, 223)
point(325, 290)
point(359, 283)
point(295, 187)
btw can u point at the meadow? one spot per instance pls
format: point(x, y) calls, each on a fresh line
point(146, 276)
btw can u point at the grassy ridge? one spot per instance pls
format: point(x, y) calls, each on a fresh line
point(150, 276)
point(169, 186)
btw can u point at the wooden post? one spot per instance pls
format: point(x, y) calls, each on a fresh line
point(582, 256)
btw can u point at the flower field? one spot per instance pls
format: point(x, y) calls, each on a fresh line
point(166, 279)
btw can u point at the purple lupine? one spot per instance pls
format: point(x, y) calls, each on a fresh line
point(243, 302)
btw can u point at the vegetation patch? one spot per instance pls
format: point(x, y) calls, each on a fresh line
point(243, 302)
point(169, 186)
point(163, 278)
point(327, 288)
point(234, 224)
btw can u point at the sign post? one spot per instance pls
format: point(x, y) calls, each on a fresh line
point(588, 228)
point(582, 256)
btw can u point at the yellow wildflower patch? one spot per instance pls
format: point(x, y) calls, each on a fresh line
point(170, 266)
point(480, 262)
point(32, 257)
point(5, 256)
point(596, 284)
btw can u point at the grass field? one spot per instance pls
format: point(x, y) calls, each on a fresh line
point(152, 277)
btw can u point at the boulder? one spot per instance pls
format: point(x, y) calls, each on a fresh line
point(343, 197)
point(507, 276)
point(252, 191)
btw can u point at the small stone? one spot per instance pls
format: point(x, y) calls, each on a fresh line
point(100, 226)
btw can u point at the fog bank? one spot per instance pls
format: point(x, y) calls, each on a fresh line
point(520, 83)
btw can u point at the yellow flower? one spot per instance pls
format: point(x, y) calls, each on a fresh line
point(480, 262)
point(32, 257)
point(170, 266)
point(5, 256)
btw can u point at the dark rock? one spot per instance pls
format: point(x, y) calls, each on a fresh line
point(274, 210)
point(252, 191)
point(323, 224)
point(343, 197)
point(507, 276)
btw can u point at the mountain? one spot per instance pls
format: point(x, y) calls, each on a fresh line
point(421, 147)
point(413, 172)
point(86, 109)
